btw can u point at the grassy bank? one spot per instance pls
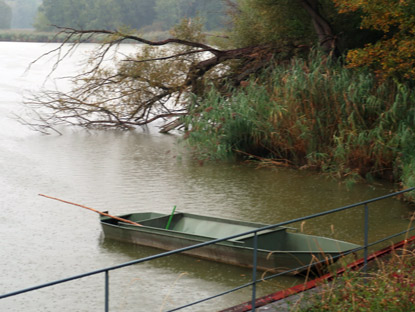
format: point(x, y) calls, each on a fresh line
point(390, 287)
point(313, 114)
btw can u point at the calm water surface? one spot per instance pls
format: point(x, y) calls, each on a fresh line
point(42, 240)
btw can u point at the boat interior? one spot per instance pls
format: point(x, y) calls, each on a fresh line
point(210, 227)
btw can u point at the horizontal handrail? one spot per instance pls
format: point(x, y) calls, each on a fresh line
point(184, 249)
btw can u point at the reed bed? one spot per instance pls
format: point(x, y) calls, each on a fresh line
point(312, 113)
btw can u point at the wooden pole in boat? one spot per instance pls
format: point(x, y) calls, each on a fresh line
point(92, 209)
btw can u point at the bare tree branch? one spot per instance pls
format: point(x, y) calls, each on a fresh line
point(151, 85)
point(122, 37)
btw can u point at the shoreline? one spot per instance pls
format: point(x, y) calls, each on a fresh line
point(31, 35)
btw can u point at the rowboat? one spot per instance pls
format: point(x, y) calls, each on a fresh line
point(278, 248)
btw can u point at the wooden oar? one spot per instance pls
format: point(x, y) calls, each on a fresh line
point(92, 209)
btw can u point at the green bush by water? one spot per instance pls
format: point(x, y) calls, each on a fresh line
point(313, 114)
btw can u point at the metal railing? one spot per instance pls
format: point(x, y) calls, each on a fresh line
point(254, 281)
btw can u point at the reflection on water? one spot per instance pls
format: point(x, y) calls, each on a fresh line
point(123, 172)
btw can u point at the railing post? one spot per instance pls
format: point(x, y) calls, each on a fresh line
point(107, 290)
point(366, 239)
point(254, 267)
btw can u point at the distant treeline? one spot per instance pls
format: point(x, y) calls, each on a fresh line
point(18, 13)
point(148, 15)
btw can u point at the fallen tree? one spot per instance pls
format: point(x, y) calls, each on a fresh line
point(153, 84)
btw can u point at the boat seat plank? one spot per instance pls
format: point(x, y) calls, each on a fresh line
point(243, 237)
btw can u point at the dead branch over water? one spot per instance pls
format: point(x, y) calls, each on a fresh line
point(159, 82)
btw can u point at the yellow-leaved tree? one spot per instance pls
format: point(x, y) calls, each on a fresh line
point(394, 54)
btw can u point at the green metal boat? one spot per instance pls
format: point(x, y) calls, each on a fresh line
point(279, 248)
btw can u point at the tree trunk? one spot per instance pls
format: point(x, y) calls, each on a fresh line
point(323, 29)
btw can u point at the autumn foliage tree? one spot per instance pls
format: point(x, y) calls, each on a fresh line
point(394, 54)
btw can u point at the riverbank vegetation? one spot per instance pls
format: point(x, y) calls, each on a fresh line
point(321, 84)
point(29, 35)
point(312, 113)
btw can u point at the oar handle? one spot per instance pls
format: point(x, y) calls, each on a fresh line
point(92, 209)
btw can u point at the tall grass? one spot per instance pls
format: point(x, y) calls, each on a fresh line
point(391, 287)
point(315, 114)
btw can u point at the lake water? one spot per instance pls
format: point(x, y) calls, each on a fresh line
point(43, 240)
